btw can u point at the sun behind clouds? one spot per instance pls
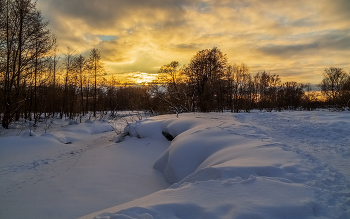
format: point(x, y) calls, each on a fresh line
point(134, 78)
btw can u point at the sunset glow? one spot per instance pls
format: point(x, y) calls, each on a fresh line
point(137, 78)
point(295, 39)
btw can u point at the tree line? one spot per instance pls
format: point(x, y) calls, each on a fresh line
point(36, 82)
point(209, 83)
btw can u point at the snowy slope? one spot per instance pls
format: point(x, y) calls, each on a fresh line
point(257, 165)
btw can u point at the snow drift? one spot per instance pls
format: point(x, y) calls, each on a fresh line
point(221, 166)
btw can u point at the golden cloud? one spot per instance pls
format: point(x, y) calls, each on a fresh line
point(295, 39)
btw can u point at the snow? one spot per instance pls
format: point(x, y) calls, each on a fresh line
point(43, 178)
point(219, 165)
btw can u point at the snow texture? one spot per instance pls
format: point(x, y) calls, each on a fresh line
point(41, 177)
point(219, 165)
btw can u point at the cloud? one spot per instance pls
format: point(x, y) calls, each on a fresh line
point(287, 50)
point(336, 40)
point(110, 13)
point(335, 12)
point(326, 41)
point(138, 35)
point(189, 46)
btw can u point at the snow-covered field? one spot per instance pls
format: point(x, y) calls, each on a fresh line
point(219, 165)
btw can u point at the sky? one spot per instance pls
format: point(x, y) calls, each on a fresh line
point(295, 39)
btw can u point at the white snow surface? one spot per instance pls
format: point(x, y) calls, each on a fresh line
point(219, 165)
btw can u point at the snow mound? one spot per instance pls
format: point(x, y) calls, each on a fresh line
point(224, 147)
point(155, 126)
point(70, 133)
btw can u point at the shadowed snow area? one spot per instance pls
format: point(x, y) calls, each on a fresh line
point(257, 165)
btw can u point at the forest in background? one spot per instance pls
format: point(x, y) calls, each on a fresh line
point(37, 82)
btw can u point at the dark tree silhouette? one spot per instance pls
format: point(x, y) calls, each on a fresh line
point(334, 84)
point(97, 67)
point(79, 66)
point(170, 88)
point(24, 43)
point(204, 73)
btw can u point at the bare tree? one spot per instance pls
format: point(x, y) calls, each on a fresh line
point(97, 67)
point(170, 88)
point(345, 94)
point(333, 84)
point(80, 67)
point(290, 95)
point(238, 81)
point(204, 72)
point(53, 66)
point(267, 86)
point(68, 65)
point(24, 42)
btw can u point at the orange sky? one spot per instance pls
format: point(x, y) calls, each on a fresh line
point(295, 39)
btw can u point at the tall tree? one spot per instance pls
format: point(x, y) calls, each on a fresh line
point(68, 65)
point(80, 67)
point(204, 72)
point(97, 68)
point(53, 70)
